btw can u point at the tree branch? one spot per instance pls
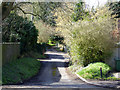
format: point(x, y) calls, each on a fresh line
point(28, 12)
point(7, 7)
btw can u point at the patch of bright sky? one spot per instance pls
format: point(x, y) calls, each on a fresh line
point(91, 3)
point(95, 3)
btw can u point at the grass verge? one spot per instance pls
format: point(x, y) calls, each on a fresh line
point(19, 70)
point(92, 71)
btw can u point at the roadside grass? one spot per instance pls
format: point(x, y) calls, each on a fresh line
point(19, 70)
point(92, 71)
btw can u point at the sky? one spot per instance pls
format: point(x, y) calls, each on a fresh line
point(95, 2)
point(89, 2)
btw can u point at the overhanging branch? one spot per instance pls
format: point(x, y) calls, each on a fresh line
point(28, 12)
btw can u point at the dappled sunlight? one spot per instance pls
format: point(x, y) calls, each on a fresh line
point(52, 60)
point(55, 52)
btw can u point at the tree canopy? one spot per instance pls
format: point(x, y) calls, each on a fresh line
point(115, 6)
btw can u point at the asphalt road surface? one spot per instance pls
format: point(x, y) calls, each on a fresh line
point(53, 74)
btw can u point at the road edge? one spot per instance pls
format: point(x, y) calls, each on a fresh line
point(96, 84)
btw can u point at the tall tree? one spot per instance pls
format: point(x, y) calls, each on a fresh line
point(45, 11)
point(115, 6)
point(79, 11)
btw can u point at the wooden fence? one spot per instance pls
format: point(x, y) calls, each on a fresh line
point(10, 52)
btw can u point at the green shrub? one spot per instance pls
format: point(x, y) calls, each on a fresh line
point(18, 29)
point(41, 48)
point(92, 71)
point(19, 70)
point(35, 55)
point(90, 39)
point(112, 78)
point(56, 39)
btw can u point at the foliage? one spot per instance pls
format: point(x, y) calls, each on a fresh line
point(36, 55)
point(19, 70)
point(45, 11)
point(91, 42)
point(115, 6)
point(64, 20)
point(51, 43)
point(8, 7)
point(41, 13)
point(57, 39)
point(92, 71)
point(112, 78)
point(44, 31)
point(18, 29)
point(89, 39)
point(79, 11)
point(38, 52)
point(41, 48)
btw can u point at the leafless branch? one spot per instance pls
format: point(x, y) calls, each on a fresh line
point(28, 12)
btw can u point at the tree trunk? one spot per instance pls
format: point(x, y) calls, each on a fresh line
point(5, 9)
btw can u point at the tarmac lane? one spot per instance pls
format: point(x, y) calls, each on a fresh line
point(53, 74)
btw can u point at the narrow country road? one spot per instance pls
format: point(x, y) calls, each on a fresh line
point(53, 74)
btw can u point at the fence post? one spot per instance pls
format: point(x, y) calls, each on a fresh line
point(101, 72)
